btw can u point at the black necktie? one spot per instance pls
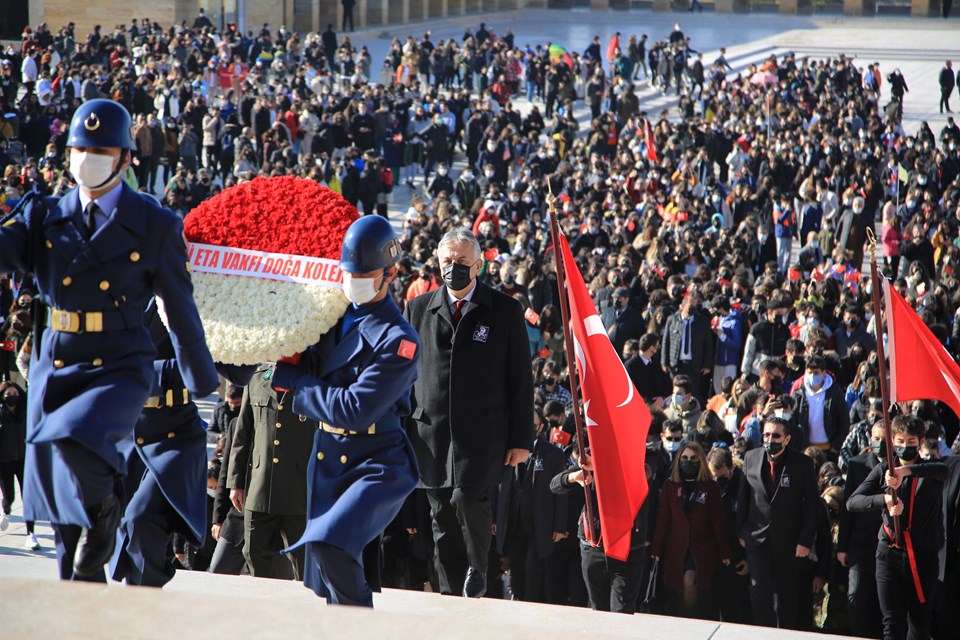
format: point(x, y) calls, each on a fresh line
point(90, 221)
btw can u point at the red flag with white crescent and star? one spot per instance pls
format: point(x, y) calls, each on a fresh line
point(616, 417)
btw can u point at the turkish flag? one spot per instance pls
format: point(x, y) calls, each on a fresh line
point(920, 368)
point(651, 149)
point(612, 48)
point(616, 417)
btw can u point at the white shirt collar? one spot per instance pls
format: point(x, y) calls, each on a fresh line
point(452, 299)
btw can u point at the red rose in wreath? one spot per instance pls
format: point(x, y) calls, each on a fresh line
point(264, 257)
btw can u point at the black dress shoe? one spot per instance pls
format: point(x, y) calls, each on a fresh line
point(475, 585)
point(97, 543)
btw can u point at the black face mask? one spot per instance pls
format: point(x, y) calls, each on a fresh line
point(456, 276)
point(773, 448)
point(777, 318)
point(724, 482)
point(618, 303)
point(852, 323)
point(905, 453)
point(879, 448)
point(11, 402)
point(508, 279)
point(776, 382)
point(615, 281)
point(689, 469)
point(549, 381)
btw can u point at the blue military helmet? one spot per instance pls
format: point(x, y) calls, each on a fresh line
point(369, 244)
point(101, 123)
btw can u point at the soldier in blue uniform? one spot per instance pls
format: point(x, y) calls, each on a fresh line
point(167, 470)
point(356, 383)
point(98, 255)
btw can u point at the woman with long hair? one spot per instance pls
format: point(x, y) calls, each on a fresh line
point(691, 519)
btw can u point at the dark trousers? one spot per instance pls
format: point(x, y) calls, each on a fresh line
point(612, 585)
point(863, 605)
point(527, 570)
point(264, 535)
point(142, 557)
point(774, 583)
point(564, 576)
point(347, 17)
point(945, 99)
point(65, 538)
point(462, 518)
point(10, 471)
point(334, 574)
point(904, 616)
point(227, 558)
point(732, 595)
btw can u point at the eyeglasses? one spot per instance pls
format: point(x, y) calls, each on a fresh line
point(772, 436)
point(722, 445)
point(676, 439)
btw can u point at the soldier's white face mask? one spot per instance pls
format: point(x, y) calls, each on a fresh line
point(360, 290)
point(90, 170)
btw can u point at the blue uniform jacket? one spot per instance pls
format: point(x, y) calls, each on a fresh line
point(172, 441)
point(90, 387)
point(357, 483)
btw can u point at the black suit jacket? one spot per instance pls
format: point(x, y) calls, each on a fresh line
point(620, 328)
point(701, 349)
point(857, 535)
point(950, 555)
point(531, 486)
point(786, 514)
point(649, 379)
point(473, 399)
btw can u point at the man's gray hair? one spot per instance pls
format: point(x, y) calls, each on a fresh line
point(458, 237)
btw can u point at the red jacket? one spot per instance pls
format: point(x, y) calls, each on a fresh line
point(701, 532)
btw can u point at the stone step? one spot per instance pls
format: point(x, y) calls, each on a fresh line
point(201, 605)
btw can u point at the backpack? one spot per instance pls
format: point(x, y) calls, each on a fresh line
point(386, 176)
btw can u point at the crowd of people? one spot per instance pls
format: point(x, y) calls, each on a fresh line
point(723, 241)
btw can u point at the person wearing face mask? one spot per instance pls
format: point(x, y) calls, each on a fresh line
point(682, 405)
point(441, 183)
point(622, 321)
point(13, 437)
point(530, 520)
point(852, 228)
point(857, 542)
point(853, 332)
point(906, 566)
point(761, 250)
point(767, 338)
point(467, 190)
point(688, 345)
point(690, 517)
point(356, 384)
point(644, 370)
point(821, 410)
point(474, 405)
point(99, 254)
point(731, 582)
point(777, 522)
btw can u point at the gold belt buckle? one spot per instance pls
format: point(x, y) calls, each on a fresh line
point(371, 430)
point(65, 321)
point(153, 402)
point(93, 322)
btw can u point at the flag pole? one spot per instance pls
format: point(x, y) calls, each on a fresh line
point(882, 365)
point(588, 527)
